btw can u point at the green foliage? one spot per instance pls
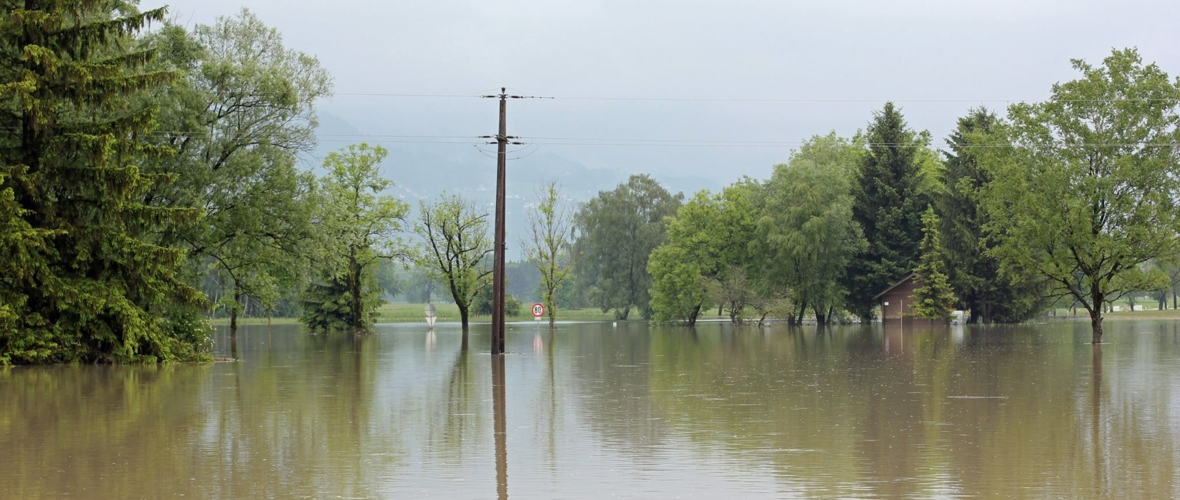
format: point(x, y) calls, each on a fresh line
point(679, 290)
point(934, 299)
point(1088, 191)
point(420, 286)
point(548, 248)
point(482, 303)
point(83, 278)
point(973, 274)
point(455, 243)
point(705, 258)
point(617, 231)
point(888, 198)
point(358, 227)
point(806, 233)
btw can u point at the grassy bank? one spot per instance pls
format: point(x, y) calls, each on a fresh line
point(448, 312)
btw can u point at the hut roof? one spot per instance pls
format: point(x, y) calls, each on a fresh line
point(895, 285)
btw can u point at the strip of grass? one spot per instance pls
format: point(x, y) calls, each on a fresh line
point(448, 312)
point(416, 313)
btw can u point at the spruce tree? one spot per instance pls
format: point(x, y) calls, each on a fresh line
point(934, 299)
point(973, 274)
point(82, 279)
point(887, 202)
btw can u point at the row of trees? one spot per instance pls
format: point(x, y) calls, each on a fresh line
point(1073, 199)
point(140, 169)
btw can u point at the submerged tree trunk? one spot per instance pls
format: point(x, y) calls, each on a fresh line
point(551, 308)
point(354, 283)
point(622, 315)
point(463, 317)
point(1096, 326)
point(233, 314)
point(1096, 313)
point(820, 317)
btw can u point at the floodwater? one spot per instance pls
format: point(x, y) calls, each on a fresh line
point(595, 411)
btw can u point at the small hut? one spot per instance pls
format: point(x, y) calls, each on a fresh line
point(897, 301)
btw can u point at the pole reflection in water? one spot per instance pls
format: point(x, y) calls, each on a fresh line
point(430, 340)
point(500, 426)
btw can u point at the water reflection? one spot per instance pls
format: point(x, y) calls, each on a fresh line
point(501, 426)
point(599, 411)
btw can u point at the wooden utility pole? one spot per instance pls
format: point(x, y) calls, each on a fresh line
point(502, 142)
point(498, 265)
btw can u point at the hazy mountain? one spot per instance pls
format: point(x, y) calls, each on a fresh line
point(423, 171)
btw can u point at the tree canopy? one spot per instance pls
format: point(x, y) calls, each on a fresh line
point(888, 199)
point(617, 231)
point(806, 229)
point(455, 242)
point(358, 228)
point(84, 278)
point(1088, 190)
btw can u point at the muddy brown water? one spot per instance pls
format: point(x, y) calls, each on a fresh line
point(595, 411)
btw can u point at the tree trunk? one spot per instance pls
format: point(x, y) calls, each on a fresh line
point(551, 308)
point(1096, 326)
point(233, 314)
point(1099, 301)
point(463, 316)
point(354, 282)
point(820, 319)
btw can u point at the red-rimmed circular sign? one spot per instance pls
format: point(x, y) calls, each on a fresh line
point(538, 310)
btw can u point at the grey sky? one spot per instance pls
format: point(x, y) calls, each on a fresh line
point(967, 52)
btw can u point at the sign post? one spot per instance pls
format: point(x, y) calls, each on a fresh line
point(430, 315)
point(538, 311)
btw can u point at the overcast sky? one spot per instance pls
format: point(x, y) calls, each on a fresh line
point(838, 60)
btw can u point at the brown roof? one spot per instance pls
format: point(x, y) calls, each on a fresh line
point(895, 285)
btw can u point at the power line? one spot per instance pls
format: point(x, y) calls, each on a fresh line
point(804, 100)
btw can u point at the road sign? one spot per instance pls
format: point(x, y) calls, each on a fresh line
point(538, 311)
point(430, 315)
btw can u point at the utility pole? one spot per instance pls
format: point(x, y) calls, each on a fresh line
point(502, 142)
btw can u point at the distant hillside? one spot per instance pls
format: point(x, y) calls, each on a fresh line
point(423, 171)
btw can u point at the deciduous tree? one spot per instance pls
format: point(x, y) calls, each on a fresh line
point(1088, 191)
point(806, 232)
point(617, 231)
point(455, 241)
point(359, 226)
point(237, 119)
point(548, 248)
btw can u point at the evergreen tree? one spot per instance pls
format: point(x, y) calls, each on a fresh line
point(972, 272)
point(83, 279)
point(887, 200)
point(934, 299)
